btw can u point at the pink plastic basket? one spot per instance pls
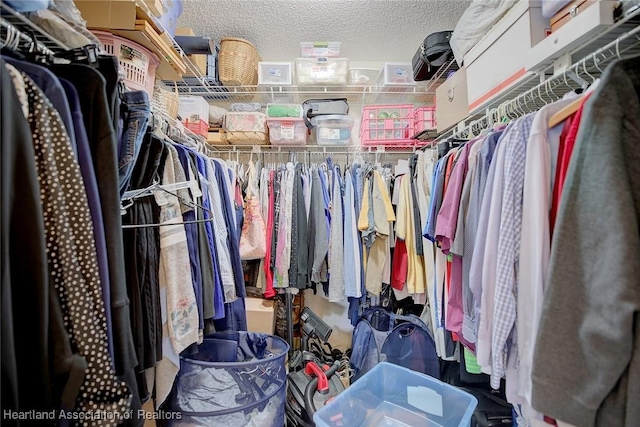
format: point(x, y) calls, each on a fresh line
point(387, 125)
point(425, 118)
point(138, 63)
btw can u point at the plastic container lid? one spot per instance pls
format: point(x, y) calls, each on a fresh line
point(337, 119)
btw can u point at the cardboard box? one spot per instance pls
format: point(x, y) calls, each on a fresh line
point(194, 111)
point(497, 62)
point(199, 61)
point(261, 315)
point(452, 103)
point(217, 137)
point(112, 14)
point(182, 31)
point(580, 28)
point(569, 12)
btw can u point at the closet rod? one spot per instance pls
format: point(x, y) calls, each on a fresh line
point(557, 85)
point(302, 149)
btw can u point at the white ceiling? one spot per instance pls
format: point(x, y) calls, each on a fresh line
point(370, 30)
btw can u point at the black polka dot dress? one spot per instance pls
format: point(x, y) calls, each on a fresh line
point(73, 267)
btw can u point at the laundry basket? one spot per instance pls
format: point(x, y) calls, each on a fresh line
point(236, 379)
point(138, 63)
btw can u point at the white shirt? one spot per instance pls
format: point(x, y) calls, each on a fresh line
point(484, 262)
point(535, 246)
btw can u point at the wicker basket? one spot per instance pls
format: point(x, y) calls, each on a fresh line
point(165, 101)
point(238, 62)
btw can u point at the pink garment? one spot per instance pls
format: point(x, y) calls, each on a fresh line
point(269, 292)
point(446, 225)
point(447, 219)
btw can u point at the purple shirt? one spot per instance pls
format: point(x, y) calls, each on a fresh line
point(448, 216)
point(446, 225)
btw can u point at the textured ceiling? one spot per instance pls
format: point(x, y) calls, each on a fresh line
point(370, 30)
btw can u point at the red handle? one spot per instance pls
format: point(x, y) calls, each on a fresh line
point(312, 369)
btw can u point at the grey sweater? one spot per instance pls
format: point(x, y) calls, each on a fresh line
point(587, 360)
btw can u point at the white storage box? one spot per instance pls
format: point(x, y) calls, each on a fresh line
point(287, 131)
point(275, 73)
point(398, 74)
point(452, 104)
point(320, 49)
point(333, 129)
point(363, 76)
point(497, 62)
point(328, 71)
point(194, 111)
point(592, 19)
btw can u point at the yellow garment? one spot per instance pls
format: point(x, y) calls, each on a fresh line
point(363, 217)
point(405, 229)
point(382, 216)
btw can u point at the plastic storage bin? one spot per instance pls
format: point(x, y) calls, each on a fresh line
point(275, 73)
point(363, 76)
point(233, 378)
point(138, 62)
point(287, 131)
point(320, 49)
point(398, 74)
point(425, 118)
point(393, 396)
point(333, 129)
point(328, 71)
point(391, 125)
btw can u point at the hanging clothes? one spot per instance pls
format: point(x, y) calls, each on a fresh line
point(336, 239)
point(596, 380)
point(78, 288)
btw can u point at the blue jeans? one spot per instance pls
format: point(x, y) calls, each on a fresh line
point(135, 114)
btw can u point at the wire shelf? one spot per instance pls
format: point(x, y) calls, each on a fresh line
point(28, 31)
point(588, 63)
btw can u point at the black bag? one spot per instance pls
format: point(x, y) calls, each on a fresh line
point(322, 107)
point(432, 54)
point(492, 411)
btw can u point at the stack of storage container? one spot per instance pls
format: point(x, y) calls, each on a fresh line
point(321, 64)
point(286, 126)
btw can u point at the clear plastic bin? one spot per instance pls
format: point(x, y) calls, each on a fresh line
point(363, 76)
point(333, 129)
point(398, 74)
point(275, 73)
point(320, 49)
point(287, 131)
point(328, 71)
point(393, 396)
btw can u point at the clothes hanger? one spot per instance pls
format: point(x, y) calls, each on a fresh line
point(573, 107)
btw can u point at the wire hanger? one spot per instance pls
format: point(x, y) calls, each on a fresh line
point(157, 187)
